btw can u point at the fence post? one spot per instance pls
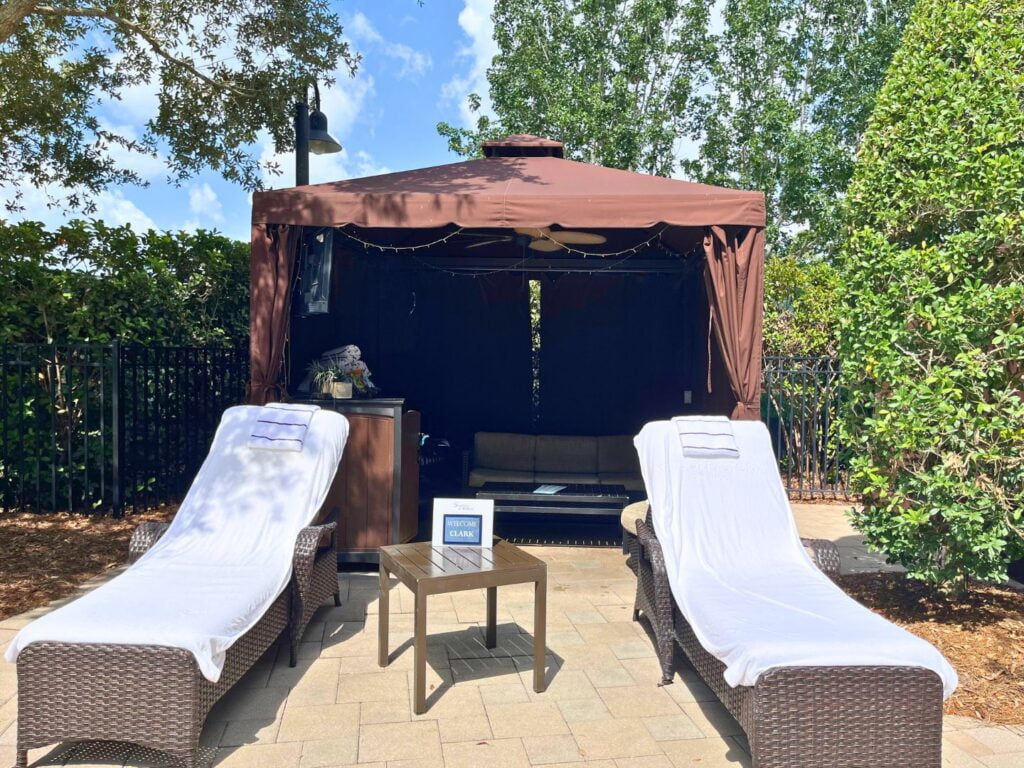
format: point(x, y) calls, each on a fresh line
point(117, 424)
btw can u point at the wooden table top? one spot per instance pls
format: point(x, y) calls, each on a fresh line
point(423, 561)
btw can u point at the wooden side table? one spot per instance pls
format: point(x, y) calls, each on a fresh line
point(429, 570)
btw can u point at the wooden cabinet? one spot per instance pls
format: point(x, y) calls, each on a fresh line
point(376, 490)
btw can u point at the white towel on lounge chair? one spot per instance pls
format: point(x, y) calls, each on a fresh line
point(281, 426)
point(225, 558)
point(740, 575)
point(707, 437)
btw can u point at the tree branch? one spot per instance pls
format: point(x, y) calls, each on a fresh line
point(12, 13)
point(155, 44)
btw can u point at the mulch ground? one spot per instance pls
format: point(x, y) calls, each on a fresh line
point(981, 636)
point(44, 557)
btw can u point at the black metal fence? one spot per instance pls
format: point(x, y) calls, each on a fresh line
point(99, 428)
point(801, 400)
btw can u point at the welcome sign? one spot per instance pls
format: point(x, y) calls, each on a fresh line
point(463, 523)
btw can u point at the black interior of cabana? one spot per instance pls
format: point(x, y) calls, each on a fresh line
point(623, 327)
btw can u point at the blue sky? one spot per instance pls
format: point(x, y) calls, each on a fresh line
point(419, 63)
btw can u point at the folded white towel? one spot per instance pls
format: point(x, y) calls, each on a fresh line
point(281, 426)
point(706, 437)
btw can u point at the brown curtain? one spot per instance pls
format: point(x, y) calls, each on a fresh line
point(471, 368)
point(734, 279)
point(273, 261)
point(617, 351)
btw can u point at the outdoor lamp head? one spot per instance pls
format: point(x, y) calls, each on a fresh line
point(320, 141)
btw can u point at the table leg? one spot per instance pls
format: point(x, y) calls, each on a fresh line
point(382, 617)
point(492, 617)
point(540, 618)
point(420, 654)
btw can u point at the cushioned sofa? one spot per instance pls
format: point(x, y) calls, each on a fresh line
point(503, 457)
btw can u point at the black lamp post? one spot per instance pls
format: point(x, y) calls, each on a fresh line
point(311, 136)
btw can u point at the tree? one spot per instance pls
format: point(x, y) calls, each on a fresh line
point(791, 88)
point(223, 72)
point(611, 80)
point(87, 282)
point(932, 336)
point(801, 307)
point(776, 100)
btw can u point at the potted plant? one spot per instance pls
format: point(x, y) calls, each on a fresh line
point(341, 387)
point(329, 380)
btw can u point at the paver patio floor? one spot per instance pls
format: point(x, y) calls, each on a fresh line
point(602, 705)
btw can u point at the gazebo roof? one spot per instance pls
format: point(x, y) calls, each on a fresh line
point(511, 191)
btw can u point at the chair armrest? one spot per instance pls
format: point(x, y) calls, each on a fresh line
point(330, 527)
point(650, 548)
point(306, 545)
point(144, 537)
point(824, 554)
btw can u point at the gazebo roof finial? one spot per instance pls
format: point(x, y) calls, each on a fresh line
point(523, 145)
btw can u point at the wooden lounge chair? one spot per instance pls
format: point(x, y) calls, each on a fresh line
point(154, 696)
point(804, 717)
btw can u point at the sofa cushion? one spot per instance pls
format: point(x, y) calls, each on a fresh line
point(557, 453)
point(616, 453)
point(628, 480)
point(565, 478)
point(503, 450)
point(483, 475)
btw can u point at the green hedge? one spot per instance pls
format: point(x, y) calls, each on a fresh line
point(89, 282)
point(932, 335)
point(801, 307)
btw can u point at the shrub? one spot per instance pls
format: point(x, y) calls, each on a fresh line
point(932, 338)
point(88, 282)
point(801, 307)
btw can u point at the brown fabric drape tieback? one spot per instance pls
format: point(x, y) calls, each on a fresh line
point(274, 249)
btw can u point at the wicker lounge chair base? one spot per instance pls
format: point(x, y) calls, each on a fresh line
point(155, 696)
point(806, 717)
point(654, 598)
point(830, 717)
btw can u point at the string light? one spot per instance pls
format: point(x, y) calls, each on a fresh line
point(631, 251)
point(398, 248)
point(625, 253)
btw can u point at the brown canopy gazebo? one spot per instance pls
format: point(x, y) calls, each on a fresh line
point(524, 182)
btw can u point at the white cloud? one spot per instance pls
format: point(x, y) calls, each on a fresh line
point(35, 204)
point(138, 102)
point(148, 166)
point(362, 28)
point(343, 102)
point(203, 202)
point(481, 48)
point(114, 208)
point(365, 165)
point(44, 204)
point(413, 62)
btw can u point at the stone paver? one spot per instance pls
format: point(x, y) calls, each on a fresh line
point(603, 704)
